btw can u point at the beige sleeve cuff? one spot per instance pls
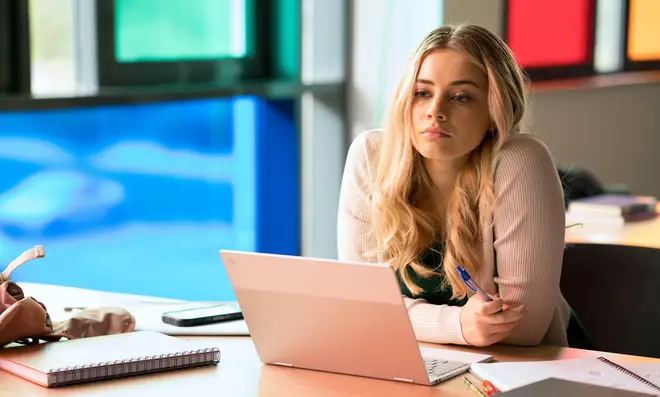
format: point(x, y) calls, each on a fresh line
point(435, 323)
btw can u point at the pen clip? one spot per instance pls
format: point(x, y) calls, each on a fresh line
point(467, 280)
point(465, 276)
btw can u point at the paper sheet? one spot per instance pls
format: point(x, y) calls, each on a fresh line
point(454, 355)
point(511, 375)
point(149, 318)
point(147, 310)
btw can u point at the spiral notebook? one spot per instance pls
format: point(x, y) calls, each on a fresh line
point(642, 377)
point(104, 357)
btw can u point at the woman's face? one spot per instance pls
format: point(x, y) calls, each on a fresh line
point(450, 106)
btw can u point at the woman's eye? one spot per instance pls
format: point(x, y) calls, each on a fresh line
point(460, 98)
point(422, 94)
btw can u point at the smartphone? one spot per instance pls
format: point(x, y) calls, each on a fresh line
point(203, 315)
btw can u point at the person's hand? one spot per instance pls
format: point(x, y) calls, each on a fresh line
point(484, 323)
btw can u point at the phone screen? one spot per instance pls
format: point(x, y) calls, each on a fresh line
point(208, 311)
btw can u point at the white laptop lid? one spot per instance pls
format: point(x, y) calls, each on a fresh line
point(326, 315)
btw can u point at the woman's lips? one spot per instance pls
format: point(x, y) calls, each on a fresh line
point(435, 133)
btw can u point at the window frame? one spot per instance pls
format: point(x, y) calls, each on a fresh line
point(545, 73)
point(630, 65)
point(111, 73)
point(15, 64)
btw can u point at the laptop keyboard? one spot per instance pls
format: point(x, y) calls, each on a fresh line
point(437, 368)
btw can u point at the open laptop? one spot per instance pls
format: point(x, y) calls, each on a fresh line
point(333, 316)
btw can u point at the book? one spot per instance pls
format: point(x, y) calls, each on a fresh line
point(553, 387)
point(56, 364)
point(634, 377)
point(613, 206)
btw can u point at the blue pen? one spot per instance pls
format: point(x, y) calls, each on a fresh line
point(465, 276)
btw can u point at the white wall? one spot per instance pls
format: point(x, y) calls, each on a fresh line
point(323, 125)
point(384, 33)
point(612, 131)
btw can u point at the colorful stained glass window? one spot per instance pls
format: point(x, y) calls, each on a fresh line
point(175, 30)
point(644, 30)
point(544, 33)
point(124, 197)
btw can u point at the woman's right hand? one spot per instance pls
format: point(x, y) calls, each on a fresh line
point(485, 323)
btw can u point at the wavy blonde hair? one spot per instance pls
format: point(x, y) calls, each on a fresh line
point(403, 229)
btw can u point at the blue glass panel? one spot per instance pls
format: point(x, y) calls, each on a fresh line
point(278, 183)
point(140, 198)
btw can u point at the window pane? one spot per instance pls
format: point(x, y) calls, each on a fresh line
point(608, 49)
point(385, 42)
point(549, 33)
point(140, 198)
point(175, 30)
point(51, 43)
point(644, 30)
point(285, 42)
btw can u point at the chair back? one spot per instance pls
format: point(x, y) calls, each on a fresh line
point(615, 292)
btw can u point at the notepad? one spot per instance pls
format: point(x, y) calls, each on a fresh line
point(636, 377)
point(104, 357)
point(553, 387)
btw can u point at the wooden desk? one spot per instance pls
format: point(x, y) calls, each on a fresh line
point(644, 233)
point(241, 374)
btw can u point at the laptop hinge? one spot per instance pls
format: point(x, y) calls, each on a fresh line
point(283, 364)
point(404, 380)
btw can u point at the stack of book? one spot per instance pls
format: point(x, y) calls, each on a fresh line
point(611, 209)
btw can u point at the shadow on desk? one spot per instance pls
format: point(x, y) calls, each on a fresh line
point(280, 381)
point(615, 290)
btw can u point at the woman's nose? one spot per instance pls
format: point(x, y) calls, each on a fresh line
point(437, 111)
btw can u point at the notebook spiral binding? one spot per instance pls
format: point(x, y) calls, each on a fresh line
point(133, 366)
point(630, 373)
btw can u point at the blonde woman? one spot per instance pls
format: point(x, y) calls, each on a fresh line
point(453, 180)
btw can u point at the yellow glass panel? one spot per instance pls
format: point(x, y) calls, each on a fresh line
point(644, 30)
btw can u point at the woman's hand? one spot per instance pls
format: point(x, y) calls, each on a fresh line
point(484, 323)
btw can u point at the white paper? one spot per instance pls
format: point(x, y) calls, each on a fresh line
point(148, 318)
point(454, 355)
point(147, 310)
point(510, 375)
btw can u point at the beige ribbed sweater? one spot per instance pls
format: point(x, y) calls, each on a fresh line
point(522, 247)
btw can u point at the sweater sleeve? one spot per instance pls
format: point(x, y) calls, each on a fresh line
point(355, 237)
point(529, 228)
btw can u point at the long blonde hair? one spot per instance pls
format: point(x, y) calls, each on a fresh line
point(403, 229)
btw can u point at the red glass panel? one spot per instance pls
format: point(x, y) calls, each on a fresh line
point(549, 32)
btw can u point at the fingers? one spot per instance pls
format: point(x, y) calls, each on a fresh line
point(489, 322)
point(505, 316)
point(511, 315)
point(497, 332)
point(494, 338)
point(489, 339)
point(492, 307)
point(503, 329)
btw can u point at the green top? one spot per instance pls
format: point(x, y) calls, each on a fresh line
point(432, 290)
point(433, 293)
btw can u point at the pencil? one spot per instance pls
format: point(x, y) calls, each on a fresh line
point(473, 387)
